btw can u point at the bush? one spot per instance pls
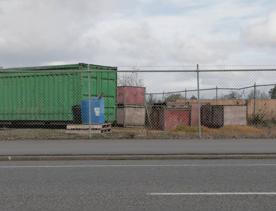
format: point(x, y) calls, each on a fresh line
point(257, 119)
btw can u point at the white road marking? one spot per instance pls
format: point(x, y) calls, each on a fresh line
point(216, 194)
point(138, 165)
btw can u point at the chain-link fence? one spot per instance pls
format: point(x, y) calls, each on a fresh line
point(204, 101)
point(89, 101)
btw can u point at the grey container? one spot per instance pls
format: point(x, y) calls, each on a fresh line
point(131, 116)
point(235, 115)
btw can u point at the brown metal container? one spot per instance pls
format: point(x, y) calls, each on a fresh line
point(130, 116)
point(131, 95)
point(165, 117)
point(212, 116)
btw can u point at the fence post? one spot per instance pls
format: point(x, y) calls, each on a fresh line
point(198, 104)
point(216, 94)
point(89, 98)
point(254, 97)
point(185, 94)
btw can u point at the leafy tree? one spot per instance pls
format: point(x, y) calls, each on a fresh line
point(272, 93)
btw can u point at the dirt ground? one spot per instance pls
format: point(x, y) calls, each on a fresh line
point(140, 133)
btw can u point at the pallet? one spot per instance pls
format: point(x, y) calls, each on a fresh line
point(83, 129)
point(85, 132)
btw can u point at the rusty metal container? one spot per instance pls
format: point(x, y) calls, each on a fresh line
point(212, 116)
point(131, 115)
point(131, 95)
point(164, 117)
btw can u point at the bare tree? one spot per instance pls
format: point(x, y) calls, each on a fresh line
point(173, 97)
point(232, 95)
point(193, 98)
point(130, 79)
point(259, 95)
point(151, 99)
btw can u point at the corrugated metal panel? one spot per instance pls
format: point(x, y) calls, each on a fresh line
point(38, 96)
point(50, 93)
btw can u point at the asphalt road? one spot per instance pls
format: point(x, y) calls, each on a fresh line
point(237, 185)
point(99, 147)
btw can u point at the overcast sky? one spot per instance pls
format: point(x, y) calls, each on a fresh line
point(138, 32)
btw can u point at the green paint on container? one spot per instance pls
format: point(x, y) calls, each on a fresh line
point(48, 93)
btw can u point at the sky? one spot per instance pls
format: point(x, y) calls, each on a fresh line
point(140, 33)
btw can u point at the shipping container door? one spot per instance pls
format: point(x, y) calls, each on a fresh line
point(101, 83)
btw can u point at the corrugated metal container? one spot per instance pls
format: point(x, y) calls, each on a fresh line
point(131, 95)
point(235, 115)
point(52, 93)
point(131, 115)
point(164, 117)
point(212, 116)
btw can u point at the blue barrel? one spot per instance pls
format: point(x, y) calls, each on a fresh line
point(96, 114)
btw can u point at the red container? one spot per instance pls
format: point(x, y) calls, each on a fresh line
point(176, 117)
point(169, 118)
point(130, 95)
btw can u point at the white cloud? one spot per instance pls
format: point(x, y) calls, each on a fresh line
point(138, 32)
point(262, 33)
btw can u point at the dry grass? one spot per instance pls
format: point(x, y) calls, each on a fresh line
point(235, 132)
point(141, 133)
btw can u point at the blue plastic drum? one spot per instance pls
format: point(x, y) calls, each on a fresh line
point(94, 115)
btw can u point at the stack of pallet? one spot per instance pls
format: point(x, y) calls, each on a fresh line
point(83, 129)
point(131, 106)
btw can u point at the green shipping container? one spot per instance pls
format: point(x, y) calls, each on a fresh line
point(49, 93)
